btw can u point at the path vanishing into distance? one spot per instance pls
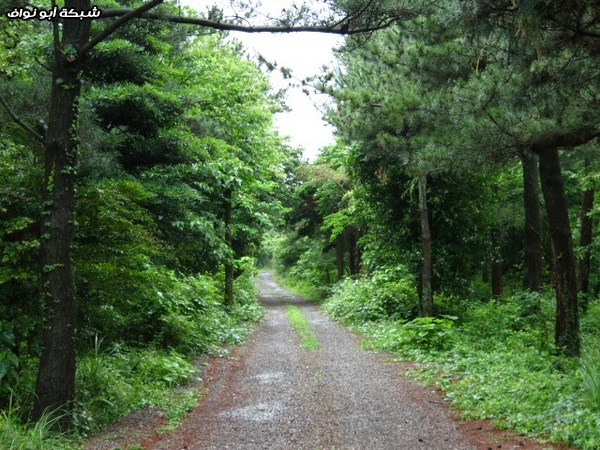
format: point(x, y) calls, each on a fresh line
point(271, 393)
point(274, 394)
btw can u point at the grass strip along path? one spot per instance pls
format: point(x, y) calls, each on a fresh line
point(302, 327)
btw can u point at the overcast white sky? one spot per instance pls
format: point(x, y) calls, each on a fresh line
point(305, 54)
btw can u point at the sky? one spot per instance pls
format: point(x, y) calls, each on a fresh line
point(305, 54)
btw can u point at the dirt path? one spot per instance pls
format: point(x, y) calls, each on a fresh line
point(280, 396)
point(272, 394)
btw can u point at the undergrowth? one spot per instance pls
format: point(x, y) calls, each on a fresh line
point(494, 360)
point(115, 378)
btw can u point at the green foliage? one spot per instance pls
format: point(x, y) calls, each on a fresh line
point(590, 374)
point(37, 436)
point(115, 382)
point(388, 294)
point(423, 333)
point(497, 363)
point(9, 362)
point(169, 369)
point(529, 314)
point(169, 123)
point(303, 265)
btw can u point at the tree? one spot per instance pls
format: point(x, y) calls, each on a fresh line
point(533, 258)
point(72, 43)
point(392, 99)
point(541, 100)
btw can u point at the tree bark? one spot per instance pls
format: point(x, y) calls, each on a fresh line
point(352, 250)
point(229, 243)
point(532, 235)
point(585, 240)
point(55, 387)
point(567, 337)
point(339, 252)
point(497, 263)
point(427, 294)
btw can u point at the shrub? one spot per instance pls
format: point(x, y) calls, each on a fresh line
point(388, 294)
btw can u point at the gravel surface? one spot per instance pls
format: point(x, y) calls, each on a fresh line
point(275, 395)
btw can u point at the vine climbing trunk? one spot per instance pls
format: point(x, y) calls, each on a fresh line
point(55, 386)
point(532, 235)
point(565, 278)
point(427, 295)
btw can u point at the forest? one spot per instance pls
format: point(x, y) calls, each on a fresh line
point(453, 223)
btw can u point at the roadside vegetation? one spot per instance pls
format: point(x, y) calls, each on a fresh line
point(494, 360)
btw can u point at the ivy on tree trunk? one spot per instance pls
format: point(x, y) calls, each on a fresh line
point(55, 387)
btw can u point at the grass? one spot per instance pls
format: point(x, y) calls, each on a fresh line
point(38, 436)
point(590, 374)
point(302, 327)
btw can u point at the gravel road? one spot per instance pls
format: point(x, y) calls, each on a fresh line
point(273, 394)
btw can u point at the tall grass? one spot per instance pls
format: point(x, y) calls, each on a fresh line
point(36, 436)
point(590, 374)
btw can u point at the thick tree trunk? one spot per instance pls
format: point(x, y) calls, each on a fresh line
point(567, 337)
point(532, 235)
point(585, 240)
point(427, 294)
point(339, 253)
point(229, 243)
point(55, 387)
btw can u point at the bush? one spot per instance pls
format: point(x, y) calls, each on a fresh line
point(420, 337)
point(388, 294)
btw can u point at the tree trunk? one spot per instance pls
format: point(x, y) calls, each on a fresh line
point(497, 264)
point(496, 254)
point(427, 294)
point(532, 235)
point(55, 387)
point(352, 250)
point(339, 252)
point(567, 337)
point(585, 240)
point(229, 243)
point(485, 271)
